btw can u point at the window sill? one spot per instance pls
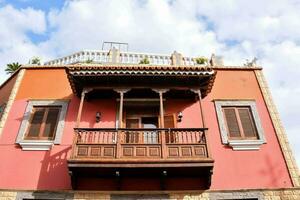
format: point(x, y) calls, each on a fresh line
point(33, 145)
point(245, 145)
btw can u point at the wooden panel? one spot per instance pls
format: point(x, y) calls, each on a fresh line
point(95, 151)
point(154, 151)
point(173, 151)
point(186, 151)
point(200, 151)
point(108, 151)
point(82, 151)
point(141, 151)
point(127, 151)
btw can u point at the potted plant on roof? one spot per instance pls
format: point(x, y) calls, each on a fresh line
point(144, 61)
point(201, 60)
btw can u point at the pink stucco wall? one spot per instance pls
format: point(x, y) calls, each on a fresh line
point(47, 170)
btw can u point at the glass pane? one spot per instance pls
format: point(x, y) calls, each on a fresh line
point(36, 122)
point(51, 122)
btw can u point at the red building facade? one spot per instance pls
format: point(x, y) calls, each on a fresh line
point(117, 129)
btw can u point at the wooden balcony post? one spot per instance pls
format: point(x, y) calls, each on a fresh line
point(75, 138)
point(84, 91)
point(162, 122)
point(198, 92)
point(119, 136)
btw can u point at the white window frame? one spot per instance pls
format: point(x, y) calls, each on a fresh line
point(237, 144)
point(41, 144)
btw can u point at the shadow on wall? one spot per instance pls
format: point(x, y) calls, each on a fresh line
point(54, 170)
point(53, 167)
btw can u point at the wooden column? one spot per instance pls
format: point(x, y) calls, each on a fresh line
point(201, 109)
point(162, 122)
point(83, 93)
point(161, 110)
point(119, 136)
point(121, 109)
point(198, 92)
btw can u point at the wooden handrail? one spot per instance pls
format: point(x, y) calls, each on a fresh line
point(140, 129)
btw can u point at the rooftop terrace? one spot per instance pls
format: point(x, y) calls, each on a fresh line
point(115, 56)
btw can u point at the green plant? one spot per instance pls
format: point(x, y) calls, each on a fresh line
point(201, 60)
point(89, 61)
point(12, 67)
point(35, 61)
point(144, 61)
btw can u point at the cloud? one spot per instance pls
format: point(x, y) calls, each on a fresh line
point(269, 30)
point(15, 46)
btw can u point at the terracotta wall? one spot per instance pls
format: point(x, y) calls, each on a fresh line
point(5, 89)
point(264, 168)
point(48, 170)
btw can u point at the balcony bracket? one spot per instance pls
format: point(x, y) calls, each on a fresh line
point(209, 178)
point(73, 180)
point(118, 180)
point(163, 177)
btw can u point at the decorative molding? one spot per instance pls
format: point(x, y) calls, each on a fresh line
point(42, 144)
point(160, 90)
point(240, 144)
point(279, 130)
point(245, 144)
point(11, 99)
point(36, 145)
point(122, 90)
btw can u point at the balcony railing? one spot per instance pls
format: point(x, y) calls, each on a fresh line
point(146, 144)
point(98, 56)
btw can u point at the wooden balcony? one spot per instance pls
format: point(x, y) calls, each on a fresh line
point(148, 153)
point(142, 144)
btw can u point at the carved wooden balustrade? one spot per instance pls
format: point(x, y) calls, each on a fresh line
point(140, 144)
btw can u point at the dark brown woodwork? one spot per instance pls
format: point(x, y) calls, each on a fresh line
point(232, 122)
point(95, 164)
point(43, 122)
point(240, 123)
point(179, 143)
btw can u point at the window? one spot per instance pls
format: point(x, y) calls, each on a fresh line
point(42, 125)
point(240, 125)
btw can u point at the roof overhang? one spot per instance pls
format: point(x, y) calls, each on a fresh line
point(141, 76)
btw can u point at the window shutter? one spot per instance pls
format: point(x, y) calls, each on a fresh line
point(51, 121)
point(36, 122)
point(247, 122)
point(232, 123)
